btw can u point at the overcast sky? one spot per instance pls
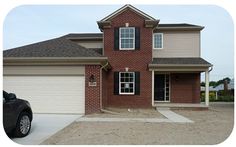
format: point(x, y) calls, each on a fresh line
point(29, 24)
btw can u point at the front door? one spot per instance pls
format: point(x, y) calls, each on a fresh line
point(159, 87)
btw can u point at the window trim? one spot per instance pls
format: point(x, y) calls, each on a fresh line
point(125, 93)
point(153, 41)
point(120, 39)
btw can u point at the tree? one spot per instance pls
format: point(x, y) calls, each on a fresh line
point(214, 83)
point(203, 84)
point(222, 81)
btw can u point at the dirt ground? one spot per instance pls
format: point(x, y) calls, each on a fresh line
point(211, 126)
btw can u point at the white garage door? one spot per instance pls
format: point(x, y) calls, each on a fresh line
point(49, 94)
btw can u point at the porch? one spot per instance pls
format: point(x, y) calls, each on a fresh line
point(176, 82)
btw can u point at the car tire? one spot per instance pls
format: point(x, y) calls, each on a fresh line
point(23, 125)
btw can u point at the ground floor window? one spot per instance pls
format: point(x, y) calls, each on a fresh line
point(126, 82)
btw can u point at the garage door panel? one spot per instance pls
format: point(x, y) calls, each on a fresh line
point(49, 94)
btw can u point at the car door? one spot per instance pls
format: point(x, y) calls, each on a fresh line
point(8, 113)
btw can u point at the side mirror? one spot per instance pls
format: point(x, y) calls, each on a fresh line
point(11, 96)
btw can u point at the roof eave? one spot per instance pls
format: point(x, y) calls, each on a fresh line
point(53, 60)
point(104, 24)
point(180, 28)
point(152, 23)
point(179, 67)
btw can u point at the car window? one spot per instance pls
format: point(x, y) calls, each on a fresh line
point(5, 95)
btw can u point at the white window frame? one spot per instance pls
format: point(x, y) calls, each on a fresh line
point(126, 38)
point(153, 40)
point(126, 93)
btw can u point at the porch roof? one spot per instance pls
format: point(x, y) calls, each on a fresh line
point(179, 64)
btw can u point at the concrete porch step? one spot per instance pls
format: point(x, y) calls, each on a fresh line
point(200, 106)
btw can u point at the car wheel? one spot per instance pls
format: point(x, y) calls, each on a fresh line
point(23, 125)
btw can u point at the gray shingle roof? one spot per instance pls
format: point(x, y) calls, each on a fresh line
point(98, 50)
point(58, 47)
point(84, 35)
point(178, 25)
point(187, 61)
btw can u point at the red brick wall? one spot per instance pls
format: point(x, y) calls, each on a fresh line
point(185, 88)
point(104, 88)
point(135, 60)
point(92, 93)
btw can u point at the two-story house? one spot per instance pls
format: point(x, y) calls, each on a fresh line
point(134, 62)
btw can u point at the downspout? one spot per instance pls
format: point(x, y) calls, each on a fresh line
point(101, 84)
point(210, 69)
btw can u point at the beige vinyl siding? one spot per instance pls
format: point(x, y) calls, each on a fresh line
point(179, 44)
point(91, 44)
point(43, 70)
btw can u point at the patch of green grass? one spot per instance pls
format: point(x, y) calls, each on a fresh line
point(221, 98)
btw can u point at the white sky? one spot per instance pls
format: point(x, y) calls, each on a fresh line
point(29, 24)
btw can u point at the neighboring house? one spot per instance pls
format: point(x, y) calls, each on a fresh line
point(211, 88)
point(135, 62)
point(221, 87)
point(230, 86)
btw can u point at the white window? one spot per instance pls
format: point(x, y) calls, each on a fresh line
point(126, 82)
point(158, 40)
point(127, 38)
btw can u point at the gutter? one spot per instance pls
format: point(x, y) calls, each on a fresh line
point(53, 60)
point(179, 65)
point(211, 68)
point(181, 28)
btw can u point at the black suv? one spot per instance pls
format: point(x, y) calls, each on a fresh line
point(17, 115)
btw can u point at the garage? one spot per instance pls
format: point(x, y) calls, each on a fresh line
point(49, 89)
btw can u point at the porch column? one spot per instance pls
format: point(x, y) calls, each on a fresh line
point(152, 87)
point(207, 87)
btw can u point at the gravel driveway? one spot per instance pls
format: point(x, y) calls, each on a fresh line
point(209, 127)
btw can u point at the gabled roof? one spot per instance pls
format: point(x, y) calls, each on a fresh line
point(125, 7)
point(58, 47)
point(149, 21)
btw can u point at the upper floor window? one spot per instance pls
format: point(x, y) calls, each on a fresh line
point(127, 38)
point(158, 40)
